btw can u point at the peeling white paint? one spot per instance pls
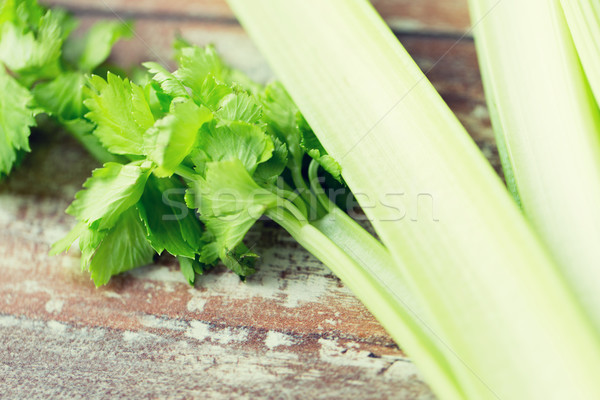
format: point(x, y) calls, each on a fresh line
point(54, 306)
point(401, 370)
point(112, 295)
point(198, 330)
point(8, 321)
point(305, 291)
point(152, 321)
point(57, 326)
point(140, 336)
point(158, 273)
point(202, 331)
point(275, 339)
point(196, 303)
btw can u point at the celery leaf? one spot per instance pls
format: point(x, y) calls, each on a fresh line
point(121, 112)
point(110, 191)
point(172, 138)
point(17, 114)
point(170, 225)
point(124, 247)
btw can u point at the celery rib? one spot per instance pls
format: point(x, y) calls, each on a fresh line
point(545, 114)
point(583, 18)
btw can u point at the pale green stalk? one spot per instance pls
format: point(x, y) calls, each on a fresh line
point(378, 296)
point(548, 123)
point(509, 326)
point(583, 18)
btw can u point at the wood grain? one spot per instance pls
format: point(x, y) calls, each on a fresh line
point(292, 331)
point(421, 15)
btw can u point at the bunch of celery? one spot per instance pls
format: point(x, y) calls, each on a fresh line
point(237, 151)
point(504, 320)
point(42, 71)
point(470, 291)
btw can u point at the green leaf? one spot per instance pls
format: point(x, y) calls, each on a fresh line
point(170, 225)
point(166, 80)
point(33, 55)
point(239, 107)
point(230, 202)
point(64, 244)
point(313, 147)
point(269, 170)
point(91, 50)
point(110, 191)
point(228, 189)
point(121, 112)
point(63, 96)
point(195, 64)
point(279, 112)
point(7, 11)
point(227, 235)
point(240, 260)
point(124, 247)
point(211, 93)
point(187, 269)
point(172, 138)
point(16, 117)
point(235, 141)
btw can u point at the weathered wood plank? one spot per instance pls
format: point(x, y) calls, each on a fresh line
point(405, 15)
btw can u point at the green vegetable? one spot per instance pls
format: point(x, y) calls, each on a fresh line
point(548, 128)
point(583, 18)
point(490, 292)
point(229, 143)
point(17, 114)
point(232, 144)
point(46, 72)
point(195, 157)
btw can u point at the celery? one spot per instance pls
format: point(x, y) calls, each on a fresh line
point(583, 18)
point(544, 114)
point(490, 291)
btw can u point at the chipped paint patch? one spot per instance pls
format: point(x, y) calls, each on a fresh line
point(151, 321)
point(202, 331)
point(198, 330)
point(130, 336)
point(54, 306)
point(196, 303)
point(305, 291)
point(401, 369)
point(57, 327)
point(276, 339)
point(7, 321)
point(158, 273)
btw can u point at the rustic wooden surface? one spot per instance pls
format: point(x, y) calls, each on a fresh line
point(292, 331)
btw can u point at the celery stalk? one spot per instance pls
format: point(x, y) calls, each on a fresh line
point(548, 123)
point(388, 305)
point(487, 285)
point(583, 18)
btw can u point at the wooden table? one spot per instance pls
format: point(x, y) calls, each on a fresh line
point(291, 331)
